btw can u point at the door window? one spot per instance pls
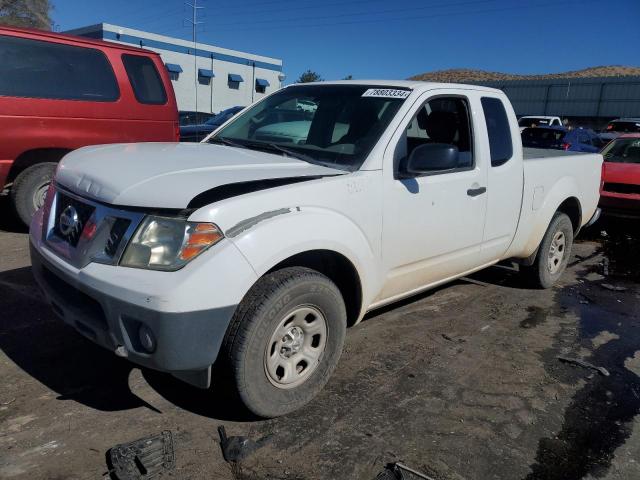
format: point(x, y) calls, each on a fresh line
point(442, 120)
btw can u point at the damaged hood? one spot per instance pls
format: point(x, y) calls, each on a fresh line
point(170, 175)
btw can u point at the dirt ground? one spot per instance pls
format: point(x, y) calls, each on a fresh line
point(460, 383)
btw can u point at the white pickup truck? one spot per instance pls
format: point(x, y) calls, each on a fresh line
point(254, 250)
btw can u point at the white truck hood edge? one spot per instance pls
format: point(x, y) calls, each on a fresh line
point(170, 175)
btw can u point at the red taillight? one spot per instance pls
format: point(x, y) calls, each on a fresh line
point(566, 146)
point(177, 131)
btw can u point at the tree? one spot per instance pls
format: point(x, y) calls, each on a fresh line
point(348, 77)
point(309, 76)
point(26, 13)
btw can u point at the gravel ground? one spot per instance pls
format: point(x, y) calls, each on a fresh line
point(459, 383)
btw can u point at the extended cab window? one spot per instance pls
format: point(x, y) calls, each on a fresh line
point(499, 131)
point(443, 120)
point(37, 69)
point(145, 80)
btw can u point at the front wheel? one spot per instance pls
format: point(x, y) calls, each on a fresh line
point(30, 188)
point(553, 253)
point(285, 340)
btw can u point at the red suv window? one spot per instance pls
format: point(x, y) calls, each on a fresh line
point(37, 69)
point(145, 80)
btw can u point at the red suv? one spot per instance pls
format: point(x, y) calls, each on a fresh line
point(61, 92)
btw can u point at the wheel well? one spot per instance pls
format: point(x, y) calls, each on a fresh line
point(338, 269)
point(32, 157)
point(571, 207)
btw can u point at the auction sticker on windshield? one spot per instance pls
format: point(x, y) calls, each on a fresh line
point(386, 93)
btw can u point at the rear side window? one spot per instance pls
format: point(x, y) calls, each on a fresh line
point(500, 143)
point(37, 69)
point(145, 80)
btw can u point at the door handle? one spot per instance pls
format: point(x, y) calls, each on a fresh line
point(474, 192)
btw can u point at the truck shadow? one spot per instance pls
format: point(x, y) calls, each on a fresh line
point(54, 354)
point(9, 222)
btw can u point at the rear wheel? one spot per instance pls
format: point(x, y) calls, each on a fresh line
point(285, 340)
point(553, 253)
point(30, 188)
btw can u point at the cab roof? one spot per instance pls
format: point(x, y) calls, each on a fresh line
point(414, 85)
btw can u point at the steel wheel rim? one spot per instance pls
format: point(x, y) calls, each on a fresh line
point(296, 346)
point(39, 196)
point(557, 251)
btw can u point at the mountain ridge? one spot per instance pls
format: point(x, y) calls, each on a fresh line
point(461, 75)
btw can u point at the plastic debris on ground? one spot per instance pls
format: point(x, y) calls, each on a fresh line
point(142, 459)
point(238, 448)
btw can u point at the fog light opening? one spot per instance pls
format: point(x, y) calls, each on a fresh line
point(147, 339)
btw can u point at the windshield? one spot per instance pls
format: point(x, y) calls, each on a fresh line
point(533, 122)
point(622, 150)
point(331, 125)
point(542, 137)
point(625, 127)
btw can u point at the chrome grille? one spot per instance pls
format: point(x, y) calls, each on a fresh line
point(90, 231)
point(82, 212)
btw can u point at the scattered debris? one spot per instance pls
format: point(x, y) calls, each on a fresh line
point(582, 363)
point(614, 288)
point(142, 459)
point(484, 328)
point(605, 266)
point(236, 449)
point(586, 298)
point(8, 402)
point(450, 339)
point(396, 471)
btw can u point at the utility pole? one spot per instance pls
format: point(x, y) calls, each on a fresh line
point(194, 25)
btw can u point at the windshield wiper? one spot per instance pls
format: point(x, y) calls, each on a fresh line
point(274, 147)
point(292, 153)
point(225, 141)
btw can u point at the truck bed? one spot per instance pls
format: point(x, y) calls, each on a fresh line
point(553, 177)
point(535, 153)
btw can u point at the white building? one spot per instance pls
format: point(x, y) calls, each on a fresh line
point(221, 78)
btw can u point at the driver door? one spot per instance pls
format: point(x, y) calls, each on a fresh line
point(433, 223)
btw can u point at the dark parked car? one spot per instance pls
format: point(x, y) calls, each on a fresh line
point(195, 133)
point(193, 118)
point(560, 138)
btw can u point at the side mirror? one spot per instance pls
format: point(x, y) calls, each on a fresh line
point(432, 157)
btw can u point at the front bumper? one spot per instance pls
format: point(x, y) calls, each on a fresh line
point(186, 343)
point(185, 314)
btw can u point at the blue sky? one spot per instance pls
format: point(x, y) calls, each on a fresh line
point(383, 39)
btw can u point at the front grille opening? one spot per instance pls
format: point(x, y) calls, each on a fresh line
point(116, 234)
point(83, 211)
point(621, 188)
point(69, 296)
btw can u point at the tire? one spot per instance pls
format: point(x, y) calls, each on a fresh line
point(291, 300)
point(29, 188)
point(553, 253)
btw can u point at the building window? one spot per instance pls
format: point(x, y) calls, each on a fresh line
point(205, 76)
point(261, 85)
point(174, 71)
point(234, 81)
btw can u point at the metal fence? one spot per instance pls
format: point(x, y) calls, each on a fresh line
point(606, 97)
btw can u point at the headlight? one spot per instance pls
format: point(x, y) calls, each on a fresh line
point(163, 243)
